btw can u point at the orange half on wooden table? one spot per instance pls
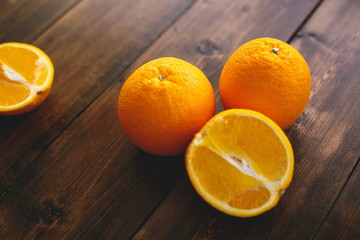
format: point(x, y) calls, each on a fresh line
point(240, 162)
point(26, 77)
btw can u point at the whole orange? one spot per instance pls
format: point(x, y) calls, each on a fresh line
point(163, 104)
point(269, 76)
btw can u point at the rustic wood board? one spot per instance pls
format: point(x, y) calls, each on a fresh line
point(24, 21)
point(62, 158)
point(89, 46)
point(343, 220)
point(76, 176)
point(325, 141)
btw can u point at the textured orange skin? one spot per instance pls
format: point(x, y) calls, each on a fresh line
point(256, 78)
point(163, 104)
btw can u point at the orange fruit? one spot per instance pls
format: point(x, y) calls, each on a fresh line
point(26, 77)
point(163, 104)
point(269, 76)
point(240, 162)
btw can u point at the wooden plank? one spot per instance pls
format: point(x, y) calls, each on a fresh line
point(179, 216)
point(343, 220)
point(88, 185)
point(90, 46)
point(22, 20)
point(91, 182)
point(325, 141)
point(110, 174)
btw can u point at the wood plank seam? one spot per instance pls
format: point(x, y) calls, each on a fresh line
point(99, 94)
point(303, 23)
point(66, 11)
point(151, 212)
point(336, 199)
point(293, 36)
point(22, 21)
point(342, 187)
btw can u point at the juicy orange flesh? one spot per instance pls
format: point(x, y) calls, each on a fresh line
point(225, 182)
point(19, 68)
point(251, 198)
point(24, 62)
point(11, 92)
point(251, 142)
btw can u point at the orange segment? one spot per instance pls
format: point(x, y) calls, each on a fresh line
point(26, 76)
point(12, 93)
point(239, 162)
point(219, 177)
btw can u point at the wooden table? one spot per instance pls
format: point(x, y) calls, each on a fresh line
point(68, 172)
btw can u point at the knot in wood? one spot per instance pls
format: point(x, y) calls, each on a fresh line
point(207, 47)
point(49, 213)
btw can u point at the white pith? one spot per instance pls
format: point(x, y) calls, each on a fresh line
point(14, 76)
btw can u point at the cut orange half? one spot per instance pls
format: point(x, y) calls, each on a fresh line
point(240, 162)
point(26, 77)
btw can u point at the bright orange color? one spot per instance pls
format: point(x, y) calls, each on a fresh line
point(163, 104)
point(240, 162)
point(26, 77)
point(269, 76)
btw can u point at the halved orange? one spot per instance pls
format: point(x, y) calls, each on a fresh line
point(26, 77)
point(240, 162)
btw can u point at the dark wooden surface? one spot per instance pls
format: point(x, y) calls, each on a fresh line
point(68, 172)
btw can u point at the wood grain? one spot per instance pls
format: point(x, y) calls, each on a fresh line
point(90, 46)
point(23, 21)
point(76, 176)
point(91, 183)
point(325, 141)
point(179, 216)
point(343, 220)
